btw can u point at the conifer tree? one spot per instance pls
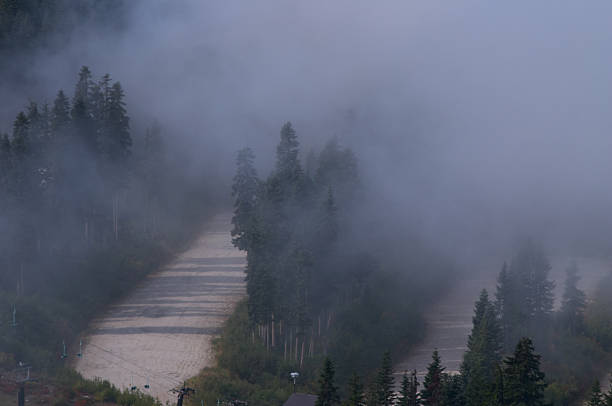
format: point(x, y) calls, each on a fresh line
point(244, 191)
point(432, 393)
point(483, 353)
point(573, 303)
point(523, 381)
point(116, 141)
point(596, 397)
point(607, 397)
point(384, 381)
point(328, 392)
point(82, 118)
point(355, 392)
point(453, 390)
point(60, 113)
point(20, 144)
point(409, 390)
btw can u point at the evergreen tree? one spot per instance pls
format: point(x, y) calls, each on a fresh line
point(355, 392)
point(115, 141)
point(596, 398)
point(384, 382)
point(432, 393)
point(607, 397)
point(288, 176)
point(523, 381)
point(328, 392)
point(60, 113)
point(483, 353)
point(573, 303)
point(20, 144)
point(82, 118)
point(244, 191)
point(409, 391)
point(453, 390)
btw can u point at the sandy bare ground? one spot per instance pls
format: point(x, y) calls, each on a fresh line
point(161, 333)
point(450, 320)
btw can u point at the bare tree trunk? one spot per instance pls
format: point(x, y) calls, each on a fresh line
point(296, 348)
point(319, 324)
point(290, 342)
point(273, 343)
point(302, 355)
point(285, 353)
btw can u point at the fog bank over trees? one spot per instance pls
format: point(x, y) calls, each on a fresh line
point(477, 123)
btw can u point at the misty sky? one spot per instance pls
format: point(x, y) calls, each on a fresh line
point(484, 120)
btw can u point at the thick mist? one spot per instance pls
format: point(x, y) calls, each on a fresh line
point(475, 123)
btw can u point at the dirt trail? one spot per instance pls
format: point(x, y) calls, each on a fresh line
point(450, 320)
point(161, 333)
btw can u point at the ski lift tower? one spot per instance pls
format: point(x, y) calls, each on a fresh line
point(181, 393)
point(22, 376)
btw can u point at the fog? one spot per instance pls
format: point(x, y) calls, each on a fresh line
point(476, 123)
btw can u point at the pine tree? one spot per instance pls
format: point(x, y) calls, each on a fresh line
point(502, 306)
point(483, 353)
point(596, 398)
point(384, 381)
point(82, 118)
point(328, 392)
point(115, 141)
point(60, 113)
point(409, 390)
point(523, 381)
point(453, 390)
point(432, 393)
point(20, 144)
point(355, 392)
point(244, 190)
point(607, 397)
point(573, 303)
point(288, 176)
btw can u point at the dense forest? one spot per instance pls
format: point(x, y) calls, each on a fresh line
point(501, 365)
point(87, 209)
point(313, 289)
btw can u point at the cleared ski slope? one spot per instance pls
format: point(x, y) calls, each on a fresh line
point(161, 333)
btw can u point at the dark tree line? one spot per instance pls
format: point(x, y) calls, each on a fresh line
point(72, 185)
point(290, 225)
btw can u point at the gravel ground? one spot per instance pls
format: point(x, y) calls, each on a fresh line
point(161, 333)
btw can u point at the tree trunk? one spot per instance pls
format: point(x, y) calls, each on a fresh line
point(273, 343)
point(302, 355)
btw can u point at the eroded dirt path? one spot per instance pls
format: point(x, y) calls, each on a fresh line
point(161, 333)
point(450, 320)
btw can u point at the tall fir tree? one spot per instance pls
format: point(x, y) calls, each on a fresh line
point(483, 353)
point(245, 191)
point(82, 119)
point(433, 391)
point(384, 382)
point(409, 390)
point(327, 394)
point(596, 397)
point(523, 381)
point(60, 113)
point(116, 141)
point(573, 303)
point(355, 392)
